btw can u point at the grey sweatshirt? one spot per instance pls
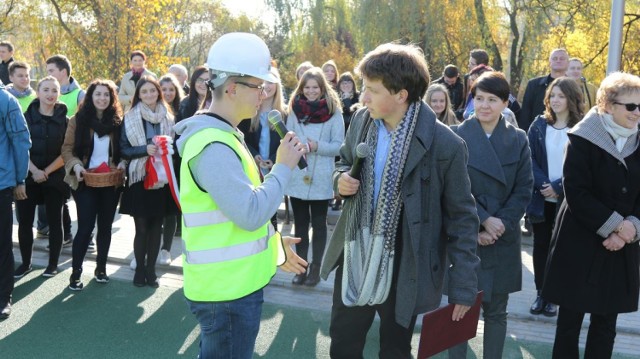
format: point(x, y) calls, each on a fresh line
point(218, 170)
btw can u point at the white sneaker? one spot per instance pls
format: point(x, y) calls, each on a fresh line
point(165, 257)
point(133, 264)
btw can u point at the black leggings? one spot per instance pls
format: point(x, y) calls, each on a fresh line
point(53, 201)
point(541, 242)
point(146, 243)
point(315, 212)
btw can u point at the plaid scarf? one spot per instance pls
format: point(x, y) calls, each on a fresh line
point(371, 232)
point(310, 111)
point(134, 127)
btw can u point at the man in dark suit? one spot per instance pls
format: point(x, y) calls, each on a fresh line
point(533, 101)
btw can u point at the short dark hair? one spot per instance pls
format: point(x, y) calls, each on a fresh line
point(138, 53)
point(13, 66)
point(61, 62)
point(450, 71)
point(7, 44)
point(480, 55)
point(492, 82)
point(399, 67)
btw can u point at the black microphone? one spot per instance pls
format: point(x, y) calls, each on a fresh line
point(583, 79)
point(362, 152)
point(275, 118)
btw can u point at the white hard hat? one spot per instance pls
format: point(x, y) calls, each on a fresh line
point(239, 54)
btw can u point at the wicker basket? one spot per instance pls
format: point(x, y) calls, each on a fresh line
point(106, 179)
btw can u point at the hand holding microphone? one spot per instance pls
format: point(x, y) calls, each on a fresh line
point(291, 149)
point(348, 183)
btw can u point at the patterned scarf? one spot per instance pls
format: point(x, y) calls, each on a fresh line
point(370, 232)
point(134, 127)
point(311, 111)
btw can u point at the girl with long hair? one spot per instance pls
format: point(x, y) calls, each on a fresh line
point(547, 139)
point(437, 97)
point(330, 70)
point(172, 94)
point(149, 116)
point(93, 138)
point(199, 96)
point(315, 115)
point(259, 135)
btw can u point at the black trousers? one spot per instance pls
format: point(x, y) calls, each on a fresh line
point(6, 246)
point(541, 242)
point(53, 201)
point(600, 339)
point(349, 327)
point(314, 212)
point(92, 203)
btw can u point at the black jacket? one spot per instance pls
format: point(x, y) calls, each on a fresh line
point(47, 137)
point(4, 71)
point(533, 101)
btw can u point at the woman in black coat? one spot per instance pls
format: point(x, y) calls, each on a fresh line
point(47, 121)
point(593, 264)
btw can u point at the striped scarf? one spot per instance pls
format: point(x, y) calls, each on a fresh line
point(370, 232)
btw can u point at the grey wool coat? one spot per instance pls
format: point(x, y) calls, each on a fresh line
point(502, 184)
point(439, 219)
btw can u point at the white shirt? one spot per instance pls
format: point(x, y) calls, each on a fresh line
point(555, 143)
point(100, 151)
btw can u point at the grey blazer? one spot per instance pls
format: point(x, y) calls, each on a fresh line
point(439, 218)
point(502, 184)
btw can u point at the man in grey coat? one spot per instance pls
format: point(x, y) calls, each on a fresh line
point(407, 211)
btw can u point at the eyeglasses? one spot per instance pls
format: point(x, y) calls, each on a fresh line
point(201, 80)
point(257, 87)
point(629, 106)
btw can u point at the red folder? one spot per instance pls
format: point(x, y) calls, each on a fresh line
point(439, 332)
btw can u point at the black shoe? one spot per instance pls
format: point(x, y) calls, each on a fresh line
point(101, 276)
point(74, 280)
point(550, 310)
point(538, 305)
point(6, 311)
point(139, 279)
point(152, 279)
point(313, 276)
point(21, 271)
point(298, 279)
point(51, 271)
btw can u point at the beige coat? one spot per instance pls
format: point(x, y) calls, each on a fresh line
point(128, 88)
point(71, 160)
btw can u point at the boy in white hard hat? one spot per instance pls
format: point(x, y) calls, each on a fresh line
point(230, 248)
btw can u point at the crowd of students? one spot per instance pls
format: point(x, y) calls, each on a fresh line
point(544, 159)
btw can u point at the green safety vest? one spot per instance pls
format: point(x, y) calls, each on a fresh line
point(26, 101)
point(71, 100)
point(220, 260)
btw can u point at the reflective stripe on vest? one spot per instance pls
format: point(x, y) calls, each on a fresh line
point(216, 255)
point(204, 218)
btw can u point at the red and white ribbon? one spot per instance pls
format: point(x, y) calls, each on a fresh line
point(160, 168)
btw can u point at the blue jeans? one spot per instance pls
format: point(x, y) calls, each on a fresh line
point(228, 329)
